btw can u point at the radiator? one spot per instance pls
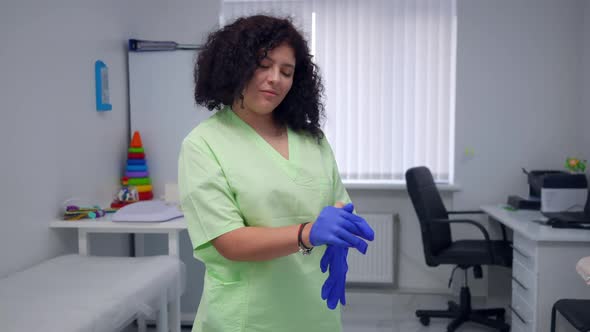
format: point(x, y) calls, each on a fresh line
point(379, 265)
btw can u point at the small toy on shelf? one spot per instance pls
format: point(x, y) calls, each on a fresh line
point(74, 212)
point(128, 194)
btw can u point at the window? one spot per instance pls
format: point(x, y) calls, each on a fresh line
point(389, 72)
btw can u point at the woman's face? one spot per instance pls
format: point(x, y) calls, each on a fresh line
point(271, 81)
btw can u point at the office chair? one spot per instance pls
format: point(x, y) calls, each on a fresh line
point(439, 248)
point(575, 311)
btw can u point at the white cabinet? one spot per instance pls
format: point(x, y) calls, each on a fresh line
point(542, 273)
point(543, 267)
point(524, 285)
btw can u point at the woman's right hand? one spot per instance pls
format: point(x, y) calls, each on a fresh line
point(337, 226)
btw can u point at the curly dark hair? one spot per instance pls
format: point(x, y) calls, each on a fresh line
point(230, 56)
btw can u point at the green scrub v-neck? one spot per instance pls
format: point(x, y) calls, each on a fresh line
point(286, 164)
point(230, 177)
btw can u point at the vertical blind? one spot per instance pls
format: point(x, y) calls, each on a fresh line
point(389, 71)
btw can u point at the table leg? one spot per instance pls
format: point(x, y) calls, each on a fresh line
point(173, 244)
point(141, 324)
point(162, 319)
point(83, 243)
point(174, 309)
point(173, 250)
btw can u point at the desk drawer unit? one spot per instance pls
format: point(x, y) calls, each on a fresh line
point(543, 267)
point(524, 251)
point(522, 314)
point(524, 282)
point(518, 326)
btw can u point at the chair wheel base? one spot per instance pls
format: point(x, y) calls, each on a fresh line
point(493, 318)
point(425, 320)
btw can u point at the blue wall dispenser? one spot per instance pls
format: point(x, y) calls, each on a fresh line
point(101, 76)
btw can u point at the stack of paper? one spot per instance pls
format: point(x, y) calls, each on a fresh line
point(148, 211)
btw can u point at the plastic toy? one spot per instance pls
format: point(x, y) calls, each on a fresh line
point(137, 185)
point(74, 212)
point(128, 194)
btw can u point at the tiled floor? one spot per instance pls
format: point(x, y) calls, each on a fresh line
point(383, 310)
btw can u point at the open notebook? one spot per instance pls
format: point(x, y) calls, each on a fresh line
point(148, 211)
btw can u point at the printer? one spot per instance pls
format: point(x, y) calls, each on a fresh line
point(553, 191)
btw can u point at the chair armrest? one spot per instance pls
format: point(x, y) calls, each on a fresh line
point(486, 235)
point(466, 212)
point(480, 212)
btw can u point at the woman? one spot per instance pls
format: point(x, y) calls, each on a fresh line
point(258, 183)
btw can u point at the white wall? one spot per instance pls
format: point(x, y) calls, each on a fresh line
point(518, 92)
point(54, 145)
point(183, 21)
point(583, 126)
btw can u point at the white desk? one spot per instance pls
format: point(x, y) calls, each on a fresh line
point(543, 269)
point(105, 225)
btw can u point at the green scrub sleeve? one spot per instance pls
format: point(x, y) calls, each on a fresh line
point(207, 201)
point(339, 192)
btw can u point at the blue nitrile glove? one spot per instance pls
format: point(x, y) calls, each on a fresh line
point(339, 227)
point(333, 289)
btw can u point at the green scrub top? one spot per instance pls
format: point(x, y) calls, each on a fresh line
point(230, 177)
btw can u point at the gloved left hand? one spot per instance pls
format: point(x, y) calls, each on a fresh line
point(335, 257)
point(333, 289)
